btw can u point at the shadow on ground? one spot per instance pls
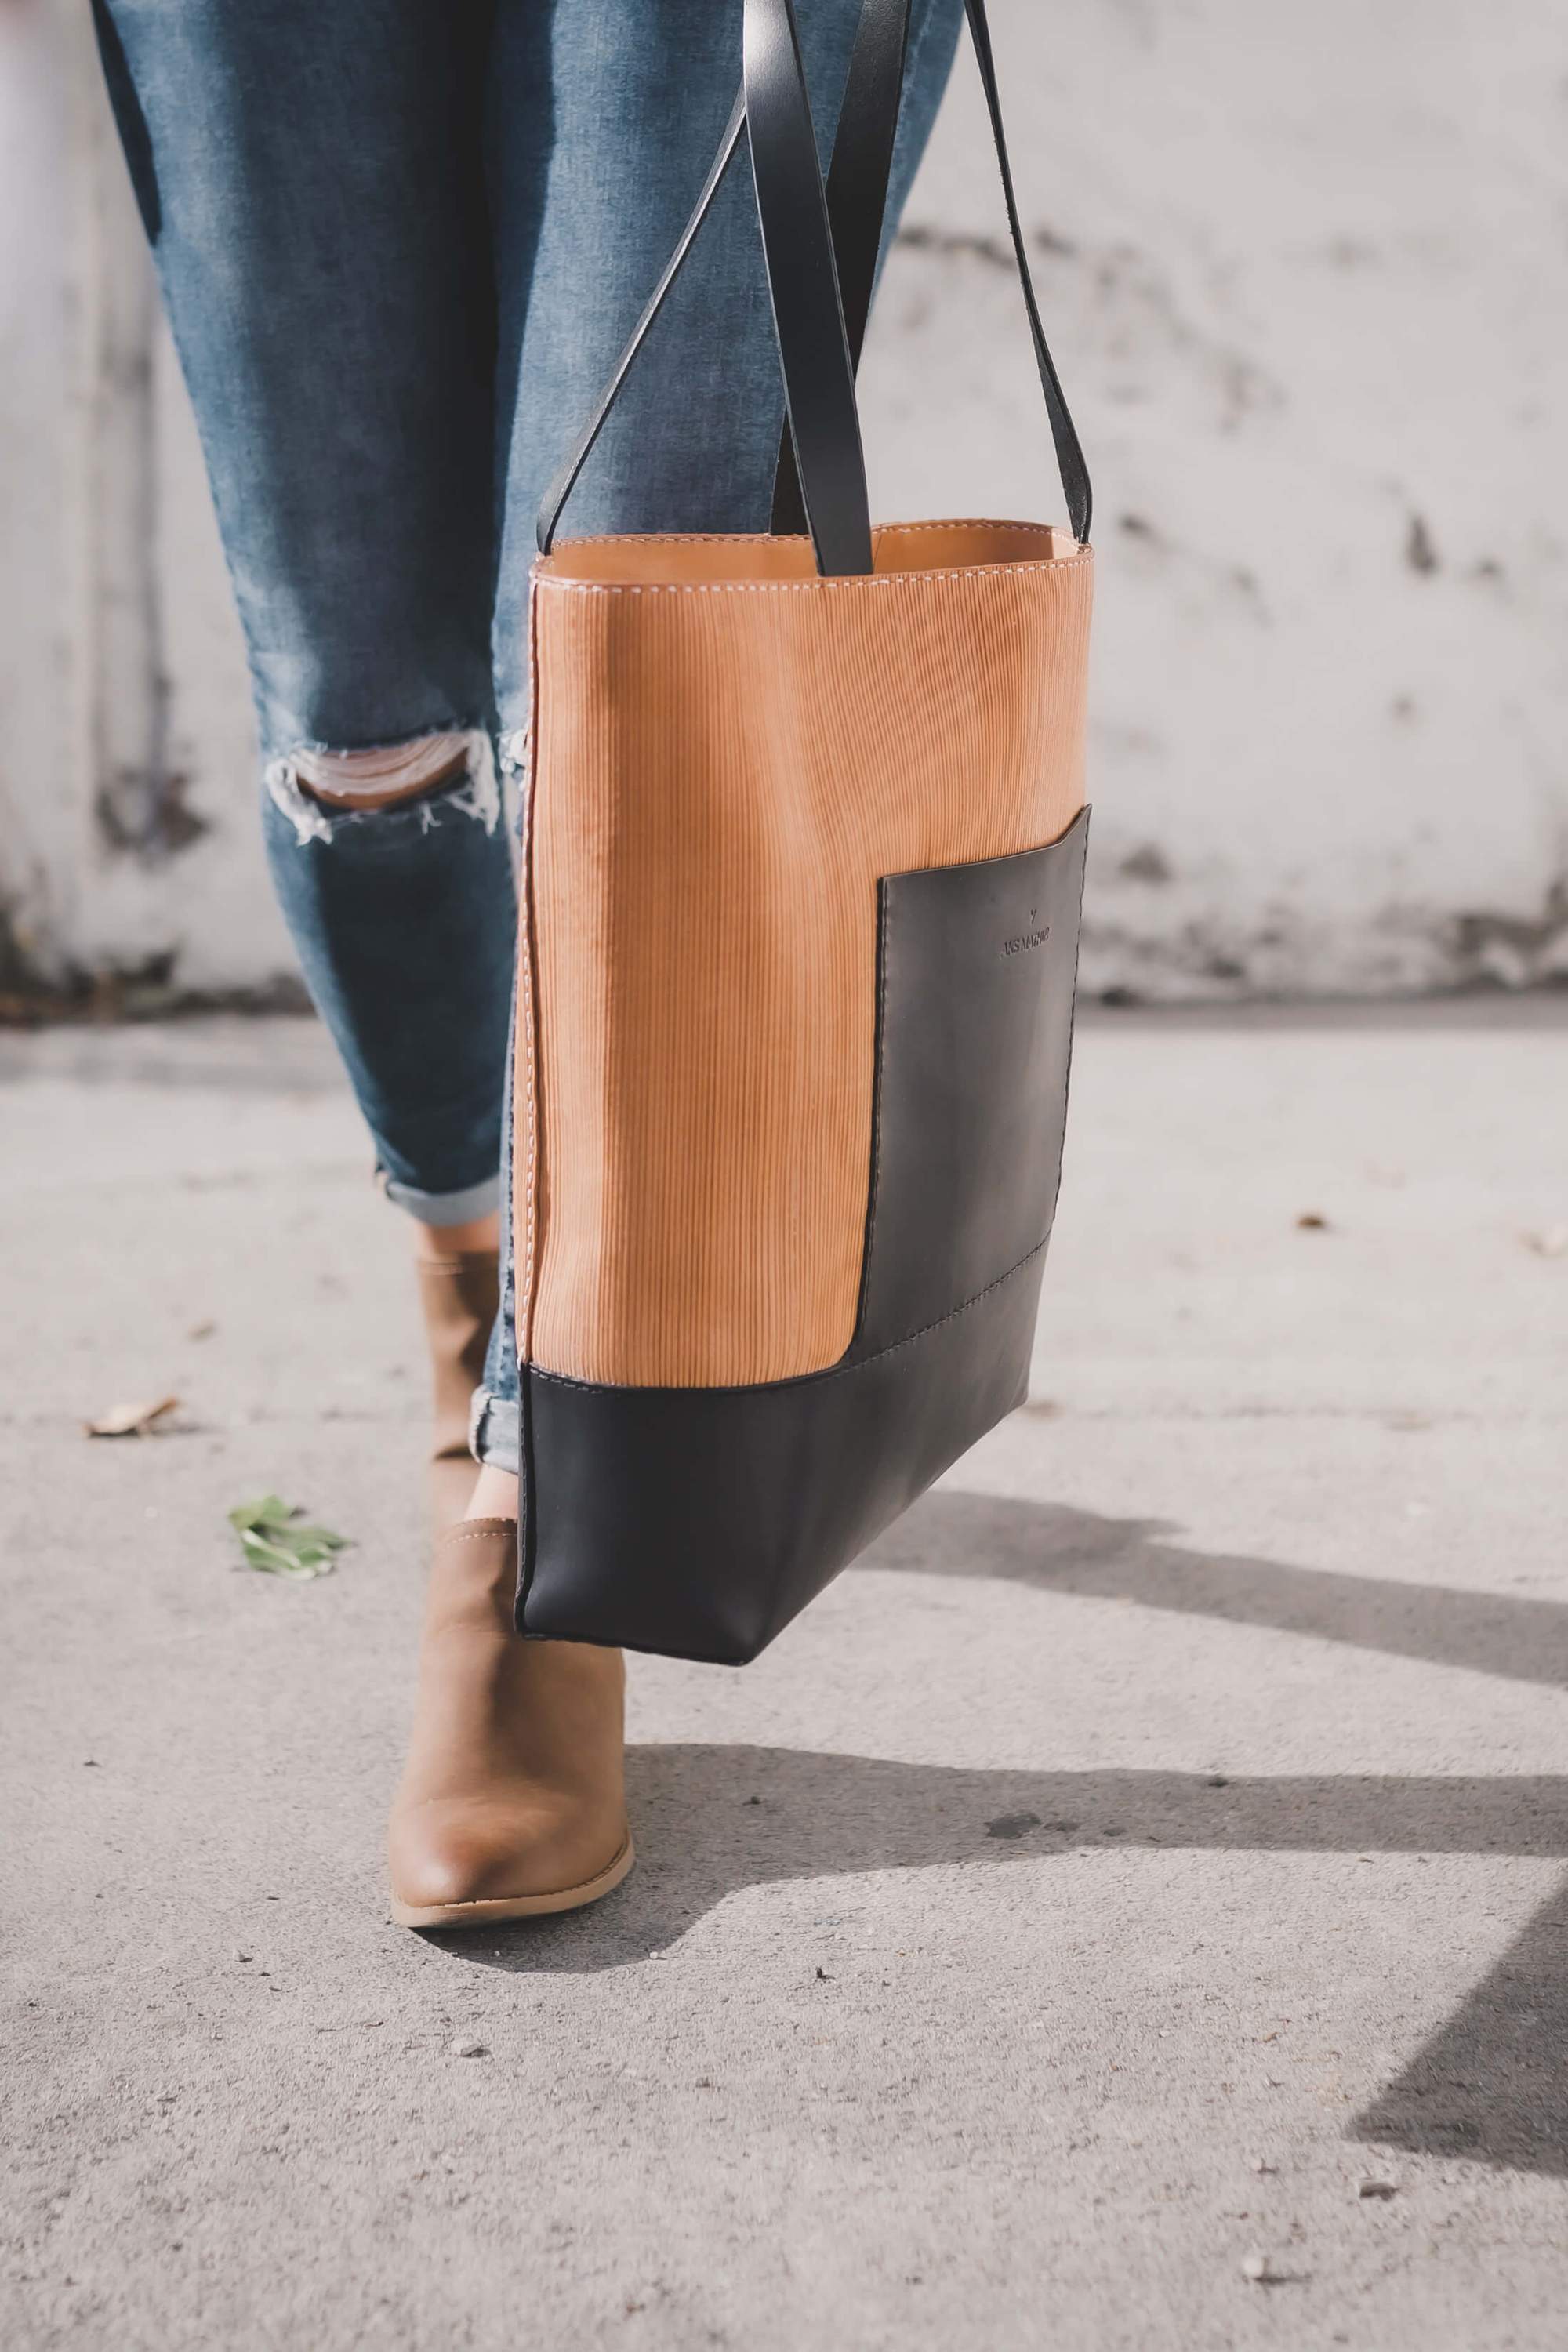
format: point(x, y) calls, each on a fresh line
point(1491, 2086)
point(1060, 1550)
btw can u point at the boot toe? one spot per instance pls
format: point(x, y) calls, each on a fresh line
point(448, 1855)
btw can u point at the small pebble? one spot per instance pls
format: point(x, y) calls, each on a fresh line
point(1256, 2268)
point(243, 1956)
point(470, 2049)
point(1261, 2164)
point(1377, 2189)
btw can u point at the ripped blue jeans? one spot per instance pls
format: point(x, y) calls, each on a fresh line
point(400, 246)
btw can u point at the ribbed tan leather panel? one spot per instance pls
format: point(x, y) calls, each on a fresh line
point(728, 754)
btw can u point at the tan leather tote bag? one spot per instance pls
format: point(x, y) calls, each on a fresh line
point(802, 857)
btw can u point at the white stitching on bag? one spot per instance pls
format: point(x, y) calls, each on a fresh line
point(862, 579)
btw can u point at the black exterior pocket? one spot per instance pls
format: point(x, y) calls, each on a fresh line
point(975, 1032)
point(697, 1522)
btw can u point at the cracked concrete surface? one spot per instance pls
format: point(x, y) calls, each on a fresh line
point(1148, 1870)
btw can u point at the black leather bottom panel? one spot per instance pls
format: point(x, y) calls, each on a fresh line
point(697, 1522)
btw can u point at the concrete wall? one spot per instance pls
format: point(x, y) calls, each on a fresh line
point(1306, 271)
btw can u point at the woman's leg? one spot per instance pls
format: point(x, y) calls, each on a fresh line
point(512, 1799)
point(635, 105)
point(311, 176)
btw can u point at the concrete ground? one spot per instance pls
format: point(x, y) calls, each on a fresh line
point(1148, 1867)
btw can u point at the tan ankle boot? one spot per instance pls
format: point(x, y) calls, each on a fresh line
point(512, 1800)
point(460, 1295)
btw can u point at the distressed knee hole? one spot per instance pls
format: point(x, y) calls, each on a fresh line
point(383, 775)
point(314, 787)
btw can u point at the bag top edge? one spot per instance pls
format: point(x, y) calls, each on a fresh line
point(697, 560)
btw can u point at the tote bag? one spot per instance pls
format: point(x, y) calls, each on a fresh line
point(803, 857)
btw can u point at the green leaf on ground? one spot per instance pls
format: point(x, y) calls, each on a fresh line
point(279, 1541)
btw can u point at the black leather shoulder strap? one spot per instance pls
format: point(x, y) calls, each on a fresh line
point(822, 254)
point(857, 186)
point(1070, 453)
point(802, 283)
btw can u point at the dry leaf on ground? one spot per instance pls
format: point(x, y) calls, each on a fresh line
point(131, 1420)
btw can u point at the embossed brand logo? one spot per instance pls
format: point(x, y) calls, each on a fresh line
point(1025, 942)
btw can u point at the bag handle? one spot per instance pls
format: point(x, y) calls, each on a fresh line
point(799, 245)
point(803, 285)
point(857, 182)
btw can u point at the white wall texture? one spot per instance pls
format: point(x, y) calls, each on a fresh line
point(1305, 269)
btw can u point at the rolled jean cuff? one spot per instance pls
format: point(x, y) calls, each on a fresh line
point(493, 1431)
point(444, 1208)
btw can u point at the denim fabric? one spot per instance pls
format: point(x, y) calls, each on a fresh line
point(403, 921)
point(400, 245)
